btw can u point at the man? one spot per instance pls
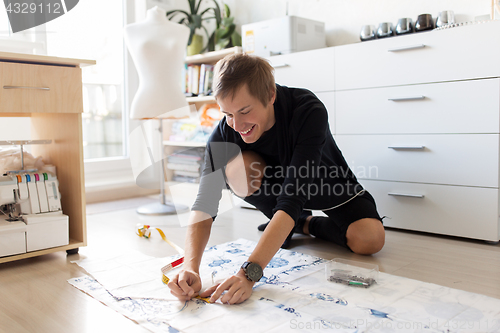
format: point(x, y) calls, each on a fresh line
point(276, 151)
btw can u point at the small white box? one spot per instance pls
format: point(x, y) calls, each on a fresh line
point(282, 36)
point(46, 230)
point(12, 238)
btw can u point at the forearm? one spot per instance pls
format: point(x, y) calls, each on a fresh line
point(273, 237)
point(197, 237)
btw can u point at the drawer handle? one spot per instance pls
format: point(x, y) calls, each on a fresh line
point(281, 65)
point(394, 194)
point(406, 48)
point(410, 98)
point(21, 87)
point(407, 147)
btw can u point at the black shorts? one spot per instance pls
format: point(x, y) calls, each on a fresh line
point(332, 228)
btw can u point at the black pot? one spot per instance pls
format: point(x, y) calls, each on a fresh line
point(424, 22)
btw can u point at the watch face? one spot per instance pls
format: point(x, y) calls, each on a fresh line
point(254, 272)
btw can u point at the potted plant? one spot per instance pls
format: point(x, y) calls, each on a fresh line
point(194, 20)
point(225, 35)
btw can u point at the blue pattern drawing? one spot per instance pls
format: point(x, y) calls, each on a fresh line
point(295, 288)
point(234, 251)
point(219, 262)
point(277, 263)
point(328, 298)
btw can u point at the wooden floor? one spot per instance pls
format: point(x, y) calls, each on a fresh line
point(35, 295)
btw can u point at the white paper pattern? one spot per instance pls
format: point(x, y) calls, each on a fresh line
point(294, 296)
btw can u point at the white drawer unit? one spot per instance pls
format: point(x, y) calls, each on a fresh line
point(417, 117)
point(418, 120)
point(451, 107)
point(449, 210)
point(468, 52)
point(312, 70)
point(455, 159)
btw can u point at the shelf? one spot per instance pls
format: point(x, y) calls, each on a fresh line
point(184, 143)
point(44, 60)
point(200, 99)
point(73, 244)
point(212, 57)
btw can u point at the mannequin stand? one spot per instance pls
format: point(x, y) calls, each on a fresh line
point(163, 207)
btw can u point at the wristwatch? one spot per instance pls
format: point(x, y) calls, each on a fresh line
point(252, 271)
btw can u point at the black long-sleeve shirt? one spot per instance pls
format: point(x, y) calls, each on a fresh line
point(300, 145)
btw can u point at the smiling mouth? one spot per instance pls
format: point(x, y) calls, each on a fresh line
point(247, 131)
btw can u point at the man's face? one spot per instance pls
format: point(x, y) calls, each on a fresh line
point(246, 114)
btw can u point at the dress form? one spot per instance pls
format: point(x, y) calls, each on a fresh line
point(158, 47)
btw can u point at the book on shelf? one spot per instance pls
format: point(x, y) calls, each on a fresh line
point(184, 173)
point(186, 160)
point(185, 179)
point(198, 79)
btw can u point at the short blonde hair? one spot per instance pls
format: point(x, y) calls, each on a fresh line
point(235, 70)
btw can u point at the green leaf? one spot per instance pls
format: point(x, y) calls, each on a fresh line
point(211, 43)
point(227, 21)
point(227, 10)
point(236, 39)
point(173, 13)
point(217, 13)
point(221, 44)
point(192, 4)
point(227, 32)
point(196, 20)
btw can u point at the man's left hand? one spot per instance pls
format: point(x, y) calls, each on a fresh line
point(238, 289)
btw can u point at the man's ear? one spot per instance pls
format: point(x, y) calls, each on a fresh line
point(273, 96)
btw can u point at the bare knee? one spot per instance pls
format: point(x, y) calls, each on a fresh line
point(366, 236)
point(244, 173)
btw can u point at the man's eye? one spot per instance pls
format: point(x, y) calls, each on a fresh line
point(245, 112)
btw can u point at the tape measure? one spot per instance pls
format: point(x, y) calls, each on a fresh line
point(145, 231)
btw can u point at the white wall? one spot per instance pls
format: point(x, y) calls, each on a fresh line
point(343, 18)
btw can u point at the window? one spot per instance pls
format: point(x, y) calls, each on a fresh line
point(4, 24)
point(93, 30)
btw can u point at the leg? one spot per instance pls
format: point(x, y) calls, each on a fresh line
point(245, 177)
point(355, 225)
point(244, 173)
point(366, 236)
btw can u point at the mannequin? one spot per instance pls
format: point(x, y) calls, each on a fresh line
point(158, 47)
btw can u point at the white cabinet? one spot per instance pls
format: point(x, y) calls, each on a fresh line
point(417, 118)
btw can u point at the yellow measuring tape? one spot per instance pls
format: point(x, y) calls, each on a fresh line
point(145, 231)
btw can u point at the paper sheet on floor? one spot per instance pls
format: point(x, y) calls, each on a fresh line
point(293, 296)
